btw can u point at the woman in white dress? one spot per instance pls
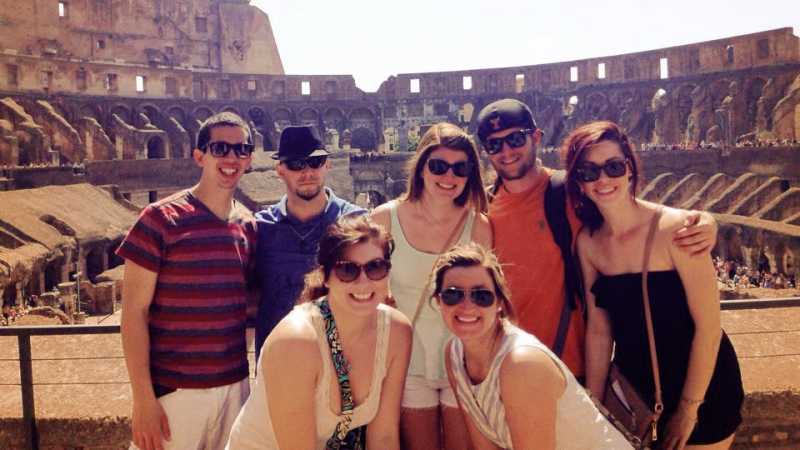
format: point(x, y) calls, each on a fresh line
point(444, 204)
point(296, 402)
point(513, 391)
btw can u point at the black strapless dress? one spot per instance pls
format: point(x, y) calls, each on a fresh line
point(621, 296)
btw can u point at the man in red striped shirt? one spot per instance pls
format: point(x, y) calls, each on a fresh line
point(187, 261)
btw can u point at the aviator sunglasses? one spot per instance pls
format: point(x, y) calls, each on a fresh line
point(440, 167)
point(314, 162)
point(375, 270)
point(589, 171)
point(221, 149)
point(515, 139)
point(452, 296)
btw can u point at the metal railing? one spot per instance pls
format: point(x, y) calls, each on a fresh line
point(23, 335)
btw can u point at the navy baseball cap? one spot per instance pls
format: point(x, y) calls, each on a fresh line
point(504, 114)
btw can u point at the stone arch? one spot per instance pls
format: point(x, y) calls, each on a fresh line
point(52, 274)
point(92, 111)
point(334, 118)
point(263, 123)
point(63, 111)
point(94, 262)
point(571, 105)
point(718, 90)
point(177, 113)
point(309, 117)
point(597, 105)
point(364, 139)
point(362, 118)
point(283, 117)
point(202, 113)
point(361, 114)
point(683, 101)
point(231, 108)
point(753, 90)
point(659, 94)
point(156, 148)
point(123, 112)
point(152, 112)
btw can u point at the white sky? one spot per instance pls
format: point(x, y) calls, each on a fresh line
point(373, 39)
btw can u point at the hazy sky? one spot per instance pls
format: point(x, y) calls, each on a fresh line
point(373, 39)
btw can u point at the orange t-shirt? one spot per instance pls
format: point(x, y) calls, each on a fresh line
point(534, 268)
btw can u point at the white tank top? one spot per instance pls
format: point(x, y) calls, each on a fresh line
point(411, 269)
point(579, 425)
point(253, 427)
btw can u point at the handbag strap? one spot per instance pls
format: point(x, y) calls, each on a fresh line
point(659, 406)
point(342, 367)
point(448, 244)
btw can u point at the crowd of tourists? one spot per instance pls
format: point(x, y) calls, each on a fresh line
point(740, 276)
point(11, 313)
point(455, 316)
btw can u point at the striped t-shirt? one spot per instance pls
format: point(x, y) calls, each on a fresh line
point(198, 312)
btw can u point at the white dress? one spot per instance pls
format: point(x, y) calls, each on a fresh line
point(253, 426)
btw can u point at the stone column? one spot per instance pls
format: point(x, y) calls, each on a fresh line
point(66, 292)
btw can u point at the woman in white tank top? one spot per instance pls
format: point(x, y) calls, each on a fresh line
point(444, 204)
point(296, 401)
point(514, 392)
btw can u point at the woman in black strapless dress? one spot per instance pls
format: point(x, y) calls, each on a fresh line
point(699, 372)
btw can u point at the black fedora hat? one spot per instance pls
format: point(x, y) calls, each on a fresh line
point(299, 143)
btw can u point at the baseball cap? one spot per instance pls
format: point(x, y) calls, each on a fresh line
point(504, 114)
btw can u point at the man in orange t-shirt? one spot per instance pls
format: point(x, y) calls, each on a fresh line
point(523, 241)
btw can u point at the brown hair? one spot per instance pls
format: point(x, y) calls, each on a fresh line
point(471, 255)
point(445, 134)
point(337, 239)
point(574, 149)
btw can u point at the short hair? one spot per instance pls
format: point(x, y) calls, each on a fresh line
point(573, 151)
point(475, 255)
point(445, 134)
point(338, 238)
point(222, 119)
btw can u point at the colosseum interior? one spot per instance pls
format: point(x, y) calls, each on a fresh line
point(100, 102)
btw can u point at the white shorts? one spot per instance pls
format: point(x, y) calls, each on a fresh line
point(420, 392)
point(202, 418)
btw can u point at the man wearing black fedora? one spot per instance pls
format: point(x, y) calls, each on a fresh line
point(289, 231)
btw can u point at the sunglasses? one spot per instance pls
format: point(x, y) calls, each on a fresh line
point(452, 296)
point(375, 270)
point(516, 139)
point(440, 167)
point(221, 149)
point(314, 162)
point(589, 171)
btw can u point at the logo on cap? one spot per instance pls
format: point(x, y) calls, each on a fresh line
point(495, 123)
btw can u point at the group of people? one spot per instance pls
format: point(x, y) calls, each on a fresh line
point(453, 317)
point(736, 275)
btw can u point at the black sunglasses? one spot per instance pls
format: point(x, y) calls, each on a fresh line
point(515, 139)
point(452, 296)
point(440, 167)
point(296, 165)
point(589, 171)
point(220, 149)
point(375, 270)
